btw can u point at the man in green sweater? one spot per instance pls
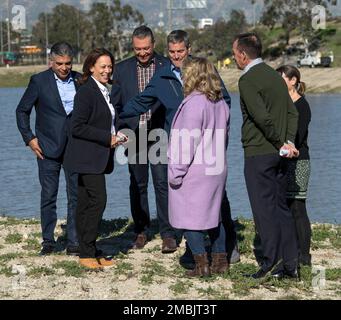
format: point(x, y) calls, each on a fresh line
point(269, 127)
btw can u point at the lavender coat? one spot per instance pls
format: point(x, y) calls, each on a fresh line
point(197, 166)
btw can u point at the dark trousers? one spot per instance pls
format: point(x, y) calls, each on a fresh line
point(196, 240)
point(139, 176)
point(92, 199)
point(303, 228)
point(230, 232)
point(49, 171)
point(265, 177)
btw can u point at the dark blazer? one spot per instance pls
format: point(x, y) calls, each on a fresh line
point(88, 150)
point(51, 126)
point(125, 87)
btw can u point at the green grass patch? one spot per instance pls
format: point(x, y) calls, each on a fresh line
point(11, 221)
point(13, 238)
point(151, 269)
point(4, 258)
point(333, 274)
point(209, 293)
point(38, 272)
point(6, 271)
point(32, 244)
point(13, 79)
point(180, 287)
point(242, 285)
point(124, 268)
point(71, 268)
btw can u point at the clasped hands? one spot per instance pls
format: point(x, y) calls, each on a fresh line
point(292, 152)
point(118, 139)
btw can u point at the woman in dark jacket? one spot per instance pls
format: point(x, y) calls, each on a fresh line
point(90, 151)
point(299, 168)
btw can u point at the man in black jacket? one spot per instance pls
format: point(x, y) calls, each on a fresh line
point(129, 79)
point(51, 92)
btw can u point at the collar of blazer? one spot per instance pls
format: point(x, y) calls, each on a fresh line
point(92, 83)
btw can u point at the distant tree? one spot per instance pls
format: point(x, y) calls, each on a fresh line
point(102, 26)
point(217, 39)
point(291, 15)
point(64, 23)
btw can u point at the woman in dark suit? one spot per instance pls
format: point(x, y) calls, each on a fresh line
point(90, 151)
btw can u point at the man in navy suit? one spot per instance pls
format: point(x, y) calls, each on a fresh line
point(51, 92)
point(129, 79)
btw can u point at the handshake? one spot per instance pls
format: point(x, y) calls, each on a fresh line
point(118, 139)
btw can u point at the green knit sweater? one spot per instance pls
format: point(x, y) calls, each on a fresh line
point(269, 115)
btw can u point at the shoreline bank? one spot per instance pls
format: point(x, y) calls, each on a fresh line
point(318, 80)
point(147, 274)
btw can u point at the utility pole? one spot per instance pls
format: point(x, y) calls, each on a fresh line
point(1, 40)
point(8, 28)
point(170, 18)
point(78, 39)
point(46, 39)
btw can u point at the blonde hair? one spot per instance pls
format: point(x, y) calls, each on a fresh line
point(200, 75)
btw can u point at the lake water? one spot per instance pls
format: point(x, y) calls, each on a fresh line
point(20, 189)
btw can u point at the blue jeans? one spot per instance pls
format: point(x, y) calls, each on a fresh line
point(49, 171)
point(196, 240)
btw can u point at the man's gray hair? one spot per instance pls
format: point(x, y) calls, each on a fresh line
point(61, 49)
point(177, 36)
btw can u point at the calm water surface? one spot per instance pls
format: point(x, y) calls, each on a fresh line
point(20, 189)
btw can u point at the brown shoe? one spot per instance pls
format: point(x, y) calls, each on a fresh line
point(219, 263)
point(90, 263)
point(168, 245)
point(105, 262)
point(140, 241)
point(202, 268)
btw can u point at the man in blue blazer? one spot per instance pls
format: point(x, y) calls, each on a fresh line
point(165, 89)
point(129, 79)
point(51, 92)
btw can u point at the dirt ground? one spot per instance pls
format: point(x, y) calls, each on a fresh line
point(148, 274)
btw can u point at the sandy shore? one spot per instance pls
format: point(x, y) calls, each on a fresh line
point(148, 274)
point(318, 80)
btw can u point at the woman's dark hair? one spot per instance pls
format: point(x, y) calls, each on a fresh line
point(291, 72)
point(90, 61)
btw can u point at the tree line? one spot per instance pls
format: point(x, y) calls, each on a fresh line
point(110, 26)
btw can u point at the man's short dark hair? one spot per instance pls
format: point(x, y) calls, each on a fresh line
point(142, 32)
point(177, 36)
point(62, 49)
point(249, 43)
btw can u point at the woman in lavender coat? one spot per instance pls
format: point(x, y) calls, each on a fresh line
point(197, 167)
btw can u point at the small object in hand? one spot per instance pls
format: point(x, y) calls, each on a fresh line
point(283, 152)
point(121, 137)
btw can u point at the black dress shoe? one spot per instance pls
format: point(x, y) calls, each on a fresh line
point(46, 250)
point(295, 274)
point(72, 251)
point(258, 275)
point(278, 275)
